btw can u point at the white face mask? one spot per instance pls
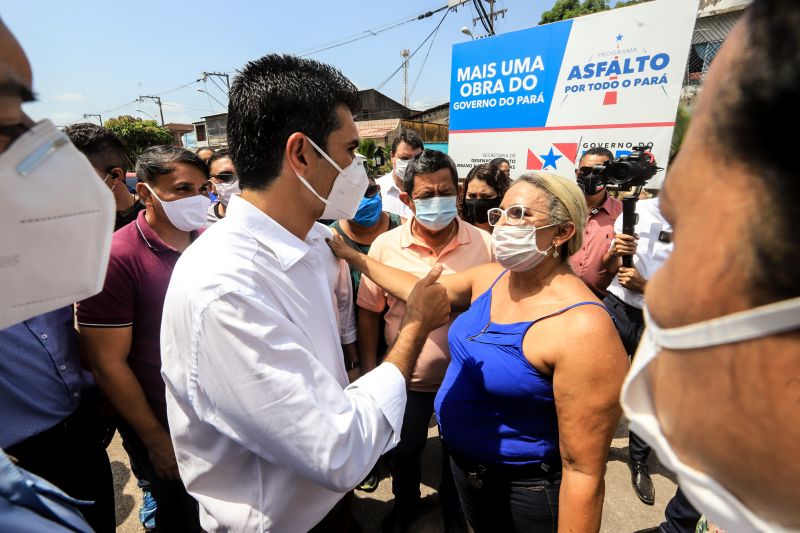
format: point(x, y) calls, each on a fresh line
point(347, 191)
point(400, 167)
point(711, 498)
point(109, 175)
point(186, 214)
point(515, 247)
point(226, 190)
point(53, 211)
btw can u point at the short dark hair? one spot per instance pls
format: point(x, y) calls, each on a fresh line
point(411, 138)
point(488, 173)
point(425, 163)
point(274, 97)
point(749, 124)
point(497, 161)
point(597, 150)
point(219, 154)
point(100, 145)
point(158, 160)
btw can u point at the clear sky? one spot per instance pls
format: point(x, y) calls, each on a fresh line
point(92, 56)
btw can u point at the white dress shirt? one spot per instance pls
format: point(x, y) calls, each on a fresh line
point(390, 196)
point(268, 435)
point(651, 253)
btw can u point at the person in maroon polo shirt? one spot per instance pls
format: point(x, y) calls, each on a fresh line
point(604, 209)
point(120, 327)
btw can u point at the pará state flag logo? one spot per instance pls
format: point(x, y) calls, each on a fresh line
point(553, 157)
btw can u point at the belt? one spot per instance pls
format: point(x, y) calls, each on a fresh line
point(477, 473)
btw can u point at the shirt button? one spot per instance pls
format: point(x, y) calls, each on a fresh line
point(44, 336)
point(63, 367)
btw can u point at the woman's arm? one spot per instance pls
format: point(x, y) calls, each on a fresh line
point(399, 283)
point(588, 373)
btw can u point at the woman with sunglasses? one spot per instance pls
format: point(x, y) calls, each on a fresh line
point(483, 189)
point(529, 403)
point(226, 182)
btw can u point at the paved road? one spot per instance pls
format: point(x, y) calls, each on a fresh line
point(622, 513)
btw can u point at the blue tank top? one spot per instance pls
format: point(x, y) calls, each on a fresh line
point(493, 406)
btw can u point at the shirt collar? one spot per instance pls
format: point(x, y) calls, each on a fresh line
point(288, 249)
point(407, 237)
point(151, 238)
point(604, 206)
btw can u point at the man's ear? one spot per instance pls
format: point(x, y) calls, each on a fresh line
point(406, 199)
point(298, 153)
point(145, 196)
point(117, 174)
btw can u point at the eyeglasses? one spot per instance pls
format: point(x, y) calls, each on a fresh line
point(515, 214)
point(226, 177)
point(372, 190)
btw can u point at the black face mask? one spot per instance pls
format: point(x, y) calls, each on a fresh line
point(476, 208)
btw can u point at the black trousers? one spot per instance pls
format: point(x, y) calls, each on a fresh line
point(680, 515)
point(629, 322)
point(72, 456)
point(405, 461)
point(176, 510)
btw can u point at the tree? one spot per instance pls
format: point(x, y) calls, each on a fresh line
point(567, 9)
point(137, 134)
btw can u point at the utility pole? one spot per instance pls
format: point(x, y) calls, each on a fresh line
point(157, 100)
point(87, 115)
point(492, 16)
point(405, 53)
point(205, 75)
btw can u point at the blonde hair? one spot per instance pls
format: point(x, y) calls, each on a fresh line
point(567, 204)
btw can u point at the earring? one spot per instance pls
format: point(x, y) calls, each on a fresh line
point(555, 252)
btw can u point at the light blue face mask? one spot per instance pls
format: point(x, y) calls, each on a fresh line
point(436, 213)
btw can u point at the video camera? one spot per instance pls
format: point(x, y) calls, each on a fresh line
point(628, 171)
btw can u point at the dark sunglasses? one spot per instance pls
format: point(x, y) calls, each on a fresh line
point(226, 177)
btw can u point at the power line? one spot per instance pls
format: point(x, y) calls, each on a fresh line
point(393, 74)
point(424, 61)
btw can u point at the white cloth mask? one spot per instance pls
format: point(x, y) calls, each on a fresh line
point(400, 167)
point(186, 214)
point(226, 190)
point(348, 188)
point(515, 247)
point(57, 219)
point(710, 497)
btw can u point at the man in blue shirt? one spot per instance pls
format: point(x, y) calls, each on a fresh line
point(48, 421)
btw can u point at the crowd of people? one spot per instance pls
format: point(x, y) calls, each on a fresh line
point(274, 323)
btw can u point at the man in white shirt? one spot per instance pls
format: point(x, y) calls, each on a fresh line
point(404, 148)
point(267, 432)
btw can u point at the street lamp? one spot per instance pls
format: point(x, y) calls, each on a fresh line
point(467, 31)
point(212, 96)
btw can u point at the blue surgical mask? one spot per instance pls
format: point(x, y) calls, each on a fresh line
point(436, 213)
point(369, 211)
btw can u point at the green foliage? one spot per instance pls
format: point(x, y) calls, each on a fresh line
point(137, 134)
point(682, 120)
point(567, 9)
point(367, 147)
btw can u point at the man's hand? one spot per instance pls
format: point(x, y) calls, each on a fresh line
point(631, 279)
point(623, 245)
point(341, 249)
point(162, 455)
point(428, 303)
